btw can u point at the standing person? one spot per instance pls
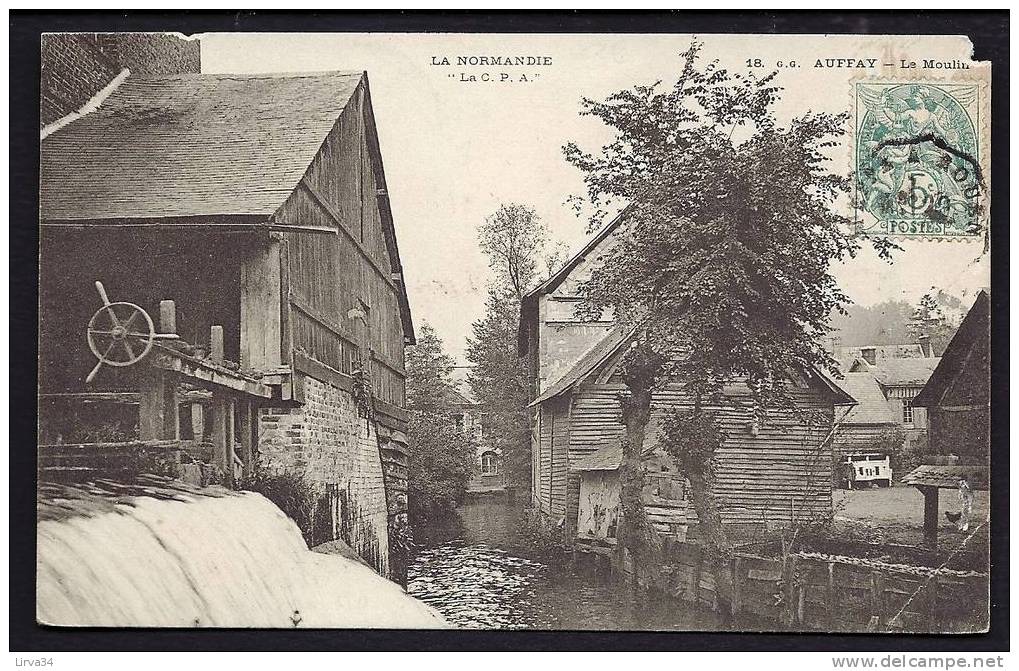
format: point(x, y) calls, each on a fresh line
point(965, 504)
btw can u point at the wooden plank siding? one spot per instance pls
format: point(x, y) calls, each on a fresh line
point(543, 476)
point(780, 475)
point(330, 275)
point(560, 456)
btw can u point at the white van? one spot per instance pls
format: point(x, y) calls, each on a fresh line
point(862, 469)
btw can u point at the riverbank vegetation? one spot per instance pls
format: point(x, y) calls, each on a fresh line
point(442, 455)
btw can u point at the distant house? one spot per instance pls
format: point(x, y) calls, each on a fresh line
point(901, 379)
point(873, 354)
point(768, 475)
point(467, 418)
point(860, 426)
point(258, 203)
point(957, 395)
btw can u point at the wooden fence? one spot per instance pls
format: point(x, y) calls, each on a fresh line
point(832, 593)
point(812, 592)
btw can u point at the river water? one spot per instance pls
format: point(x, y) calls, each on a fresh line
point(478, 574)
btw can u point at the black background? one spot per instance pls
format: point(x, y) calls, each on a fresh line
point(987, 30)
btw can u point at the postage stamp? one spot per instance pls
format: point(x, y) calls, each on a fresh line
point(918, 159)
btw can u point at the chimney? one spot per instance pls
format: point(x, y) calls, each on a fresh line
point(925, 345)
point(869, 355)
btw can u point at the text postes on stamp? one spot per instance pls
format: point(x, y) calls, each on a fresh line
point(918, 159)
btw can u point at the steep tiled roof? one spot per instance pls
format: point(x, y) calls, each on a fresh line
point(191, 146)
point(871, 407)
point(905, 372)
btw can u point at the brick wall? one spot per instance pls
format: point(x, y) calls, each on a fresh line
point(76, 66)
point(338, 452)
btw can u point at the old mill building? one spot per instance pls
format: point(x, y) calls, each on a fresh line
point(258, 205)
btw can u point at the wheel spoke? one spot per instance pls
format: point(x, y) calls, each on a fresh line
point(127, 346)
point(137, 334)
point(129, 321)
point(114, 320)
point(107, 352)
point(104, 333)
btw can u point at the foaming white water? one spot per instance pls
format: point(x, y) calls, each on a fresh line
point(228, 561)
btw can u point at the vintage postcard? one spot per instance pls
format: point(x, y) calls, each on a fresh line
point(514, 331)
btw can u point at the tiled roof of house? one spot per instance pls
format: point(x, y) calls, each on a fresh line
point(207, 145)
point(905, 372)
point(871, 407)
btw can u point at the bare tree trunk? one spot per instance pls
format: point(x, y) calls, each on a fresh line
point(635, 535)
point(714, 541)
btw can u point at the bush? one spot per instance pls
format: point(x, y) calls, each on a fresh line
point(291, 493)
point(442, 462)
point(544, 540)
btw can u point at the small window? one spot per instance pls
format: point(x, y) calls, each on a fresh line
point(489, 464)
point(907, 411)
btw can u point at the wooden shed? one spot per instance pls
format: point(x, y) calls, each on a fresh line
point(258, 203)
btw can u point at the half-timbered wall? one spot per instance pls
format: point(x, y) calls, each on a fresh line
point(334, 277)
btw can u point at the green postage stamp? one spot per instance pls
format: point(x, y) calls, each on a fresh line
point(919, 159)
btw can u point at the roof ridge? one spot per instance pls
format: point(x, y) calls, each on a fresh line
point(251, 75)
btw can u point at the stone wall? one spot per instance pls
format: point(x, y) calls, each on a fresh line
point(338, 452)
point(76, 66)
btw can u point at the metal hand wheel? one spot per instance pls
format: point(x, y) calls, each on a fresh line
point(119, 334)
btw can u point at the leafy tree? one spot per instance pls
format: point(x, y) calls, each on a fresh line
point(498, 379)
point(519, 252)
point(930, 321)
point(442, 458)
point(879, 324)
point(721, 267)
point(518, 247)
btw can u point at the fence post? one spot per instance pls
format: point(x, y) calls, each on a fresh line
point(831, 597)
point(932, 604)
point(877, 588)
point(737, 585)
point(789, 580)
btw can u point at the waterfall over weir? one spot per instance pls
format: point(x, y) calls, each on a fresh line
point(191, 559)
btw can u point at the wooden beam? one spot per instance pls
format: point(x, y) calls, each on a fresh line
point(222, 435)
point(198, 421)
point(206, 374)
point(158, 411)
point(930, 516)
point(286, 325)
point(247, 424)
point(167, 317)
point(386, 275)
point(126, 397)
point(260, 309)
point(305, 308)
point(216, 344)
point(320, 371)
